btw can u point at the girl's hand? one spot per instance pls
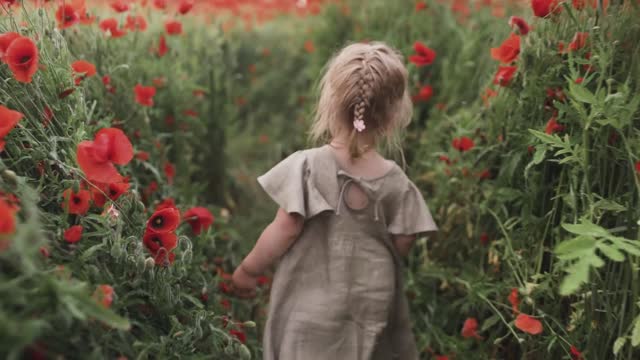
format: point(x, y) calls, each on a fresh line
point(244, 285)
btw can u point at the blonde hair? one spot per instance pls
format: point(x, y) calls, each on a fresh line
point(363, 82)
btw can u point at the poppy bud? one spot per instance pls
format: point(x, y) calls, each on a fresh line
point(245, 354)
point(149, 262)
point(10, 177)
point(249, 324)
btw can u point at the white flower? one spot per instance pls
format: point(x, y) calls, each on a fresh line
point(359, 125)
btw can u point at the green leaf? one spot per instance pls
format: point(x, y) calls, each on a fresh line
point(586, 228)
point(577, 244)
point(578, 274)
point(610, 251)
point(635, 334)
point(488, 323)
point(630, 247)
point(581, 93)
point(617, 346)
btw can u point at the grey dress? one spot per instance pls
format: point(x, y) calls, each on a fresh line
point(338, 291)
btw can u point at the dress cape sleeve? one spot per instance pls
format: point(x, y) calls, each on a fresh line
point(410, 213)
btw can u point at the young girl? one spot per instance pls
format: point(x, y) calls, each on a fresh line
point(346, 217)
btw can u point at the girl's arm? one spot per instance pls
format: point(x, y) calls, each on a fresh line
point(403, 243)
point(274, 241)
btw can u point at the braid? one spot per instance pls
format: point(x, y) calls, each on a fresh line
point(364, 95)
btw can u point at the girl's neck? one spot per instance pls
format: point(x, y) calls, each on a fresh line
point(341, 141)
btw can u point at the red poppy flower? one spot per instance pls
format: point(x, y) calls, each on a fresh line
point(638, 166)
point(154, 241)
point(173, 27)
point(425, 93)
point(83, 69)
point(579, 41)
point(144, 94)
point(508, 50)
point(162, 46)
point(136, 23)
point(76, 203)
point(97, 158)
point(424, 55)
point(44, 251)
point(185, 6)
point(115, 190)
point(120, 6)
point(166, 203)
point(97, 196)
point(542, 8)
point(110, 26)
point(513, 299)
point(199, 218)
point(5, 40)
point(519, 23)
point(142, 155)
point(67, 16)
point(8, 120)
point(553, 126)
point(421, 5)
point(579, 80)
point(504, 75)
point(7, 218)
point(165, 220)
point(484, 238)
point(104, 295)
point(470, 329)
point(86, 18)
point(191, 113)
point(226, 304)
point(239, 334)
point(22, 58)
point(225, 287)
point(106, 81)
point(73, 234)
point(575, 353)
point(160, 4)
point(66, 93)
point(163, 258)
point(463, 144)
point(309, 47)
point(169, 171)
point(528, 324)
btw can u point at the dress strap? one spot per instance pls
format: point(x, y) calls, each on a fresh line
point(369, 191)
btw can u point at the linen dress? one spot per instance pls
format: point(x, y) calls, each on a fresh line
point(338, 291)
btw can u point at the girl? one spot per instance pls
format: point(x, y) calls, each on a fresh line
point(346, 217)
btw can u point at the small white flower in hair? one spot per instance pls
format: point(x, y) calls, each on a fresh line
point(359, 125)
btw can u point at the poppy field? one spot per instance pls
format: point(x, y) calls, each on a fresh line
point(132, 132)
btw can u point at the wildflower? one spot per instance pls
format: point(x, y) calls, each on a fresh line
point(239, 334)
point(199, 218)
point(528, 324)
point(470, 329)
point(22, 58)
point(166, 203)
point(5, 40)
point(519, 23)
point(421, 5)
point(424, 55)
point(162, 46)
point(154, 242)
point(553, 126)
point(579, 41)
point(120, 6)
point(104, 295)
point(8, 120)
point(579, 80)
point(514, 301)
point(76, 202)
point(185, 6)
point(136, 23)
point(169, 171)
point(110, 26)
point(48, 116)
point(226, 304)
point(160, 4)
point(144, 94)
point(7, 219)
point(542, 8)
point(73, 234)
point(67, 16)
point(82, 69)
point(164, 220)
point(463, 143)
point(425, 93)
point(575, 353)
point(309, 46)
point(638, 166)
point(173, 27)
point(504, 75)
point(508, 50)
point(97, 158)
